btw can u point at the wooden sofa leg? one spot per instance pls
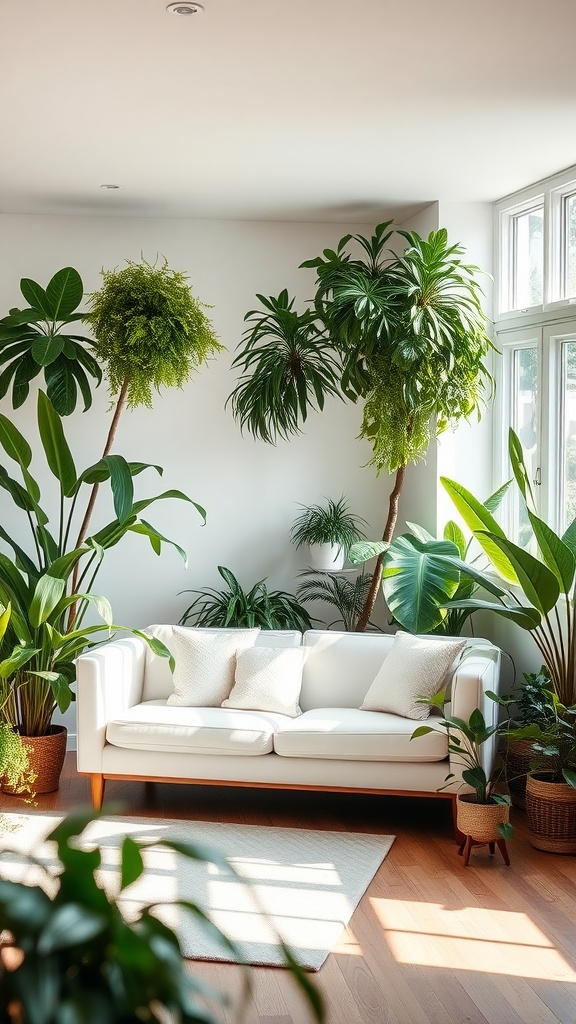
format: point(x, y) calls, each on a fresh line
point(97, 784)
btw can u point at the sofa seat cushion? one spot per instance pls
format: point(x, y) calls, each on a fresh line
point(155, 725)
point(351, 734)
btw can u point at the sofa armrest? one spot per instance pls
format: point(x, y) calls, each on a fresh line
point(109, 680)
point(478, 671)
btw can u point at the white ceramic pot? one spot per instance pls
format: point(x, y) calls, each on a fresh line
point(326, 557)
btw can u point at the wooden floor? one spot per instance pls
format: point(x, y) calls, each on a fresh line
point(432, 942)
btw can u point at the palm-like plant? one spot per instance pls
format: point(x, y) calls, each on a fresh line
point(406, 334)
point(346, 594)
point(268, 609)
point(286, 366)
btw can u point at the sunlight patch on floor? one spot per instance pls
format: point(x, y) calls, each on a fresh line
point(470, 939)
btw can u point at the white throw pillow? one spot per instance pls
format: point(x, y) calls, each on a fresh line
point(268, 679)
point(414, 667)
point(205, 664)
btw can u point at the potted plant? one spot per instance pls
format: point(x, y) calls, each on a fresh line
point(551, 781)
point(405, 333)
point(150, 332)
point(71, 956)
point(532, 704)
point(34, 583)
point(268, 609)
point(483, 813)
point(329, 530)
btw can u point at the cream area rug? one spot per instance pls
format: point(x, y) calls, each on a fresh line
point(298, 885)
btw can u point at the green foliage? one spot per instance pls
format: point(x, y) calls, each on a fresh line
point(345, 594)
point(38, 338)
point(425, 579)
point(150, 330)
point(35, 582)
point(538, 589)
point(406, 334)
point(269, 609)
point(465, 742)
point(553, 741)
point(331, 523)
point(14, 765)
point(83, 962)
point(286, 366)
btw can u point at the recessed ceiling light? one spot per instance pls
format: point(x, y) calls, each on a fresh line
point(110, 186)
point(185, 8)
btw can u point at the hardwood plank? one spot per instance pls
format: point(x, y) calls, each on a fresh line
point(431, 942)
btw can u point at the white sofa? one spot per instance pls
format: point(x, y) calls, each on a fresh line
point(126, 729)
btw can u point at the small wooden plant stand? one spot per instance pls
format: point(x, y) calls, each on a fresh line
point(467, 844)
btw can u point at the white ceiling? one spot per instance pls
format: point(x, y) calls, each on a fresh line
point(329, 110)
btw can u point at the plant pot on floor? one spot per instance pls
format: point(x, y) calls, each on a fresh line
point(45, 759)
point(518, 756)
point(480, 821)
point(551, 815)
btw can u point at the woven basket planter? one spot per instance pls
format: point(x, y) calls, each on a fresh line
point(480, 821)
point(518, 755)
point(551, 815)
point(45, 758)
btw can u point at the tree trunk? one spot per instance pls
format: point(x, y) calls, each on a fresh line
point(393, 503)
point(94, 494)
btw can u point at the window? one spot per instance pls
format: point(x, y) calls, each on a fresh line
point(536, 334)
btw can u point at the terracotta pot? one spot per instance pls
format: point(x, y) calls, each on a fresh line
point(551, 815)
point(480, 821)
point(46, 758)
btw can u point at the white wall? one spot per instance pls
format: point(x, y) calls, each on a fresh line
point(250, 490)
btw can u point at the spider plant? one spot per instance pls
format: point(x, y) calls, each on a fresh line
point(269, 609)
point(331, 523)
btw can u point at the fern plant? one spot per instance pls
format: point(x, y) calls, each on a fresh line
point(269, 609)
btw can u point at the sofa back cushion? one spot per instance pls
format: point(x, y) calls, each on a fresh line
point(341, 667)
point(158, 681)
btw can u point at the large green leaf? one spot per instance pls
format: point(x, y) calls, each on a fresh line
point(58, 454)
point(121, 484)
point(417, 584)
point(556, 554)
point(483, 525)
point(14, 443)
point(20, 656)
point(47, 594)
point(538, 582)
point(528, 618)
point(35, 296)
point(61, 386)
point(521, 476)
point(46, 350)
point(364, 550)
point(64, 293)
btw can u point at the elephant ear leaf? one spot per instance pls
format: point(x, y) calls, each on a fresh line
point(418, 580)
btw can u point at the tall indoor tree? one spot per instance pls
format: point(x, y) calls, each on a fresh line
point(404, 333)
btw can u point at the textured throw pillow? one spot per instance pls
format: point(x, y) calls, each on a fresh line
point(205, 663)
point(415, 667)
point(268, 679)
